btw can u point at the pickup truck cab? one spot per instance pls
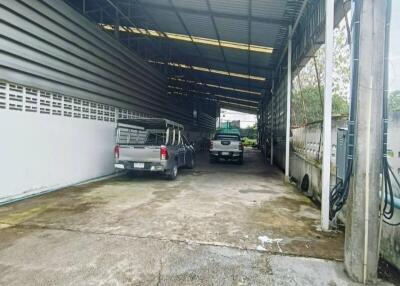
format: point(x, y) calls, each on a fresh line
point(226, 146)
point(152, 145)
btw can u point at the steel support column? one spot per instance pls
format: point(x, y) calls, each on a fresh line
point(116, 25)
point(327, 126)
point(288, 99)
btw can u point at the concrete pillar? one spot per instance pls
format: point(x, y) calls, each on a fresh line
point(361, 241)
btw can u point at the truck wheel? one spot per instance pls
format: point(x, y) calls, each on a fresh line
point(172, 173)
point(212, 159)
point(191, 163)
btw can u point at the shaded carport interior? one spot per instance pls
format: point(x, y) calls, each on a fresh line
point(235, 75)
point(180, 60)
point(198, 47)
point(202, 228)
point(230, 54)
point(207, 55)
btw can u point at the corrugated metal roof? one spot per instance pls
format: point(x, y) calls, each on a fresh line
point(199, 25)
point(256, 22)
point(236, 7)
point(264, 34)
point(268, 9)
point(192, 4)
point(234, 30)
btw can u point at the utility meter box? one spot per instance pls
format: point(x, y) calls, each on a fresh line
point(341, 151)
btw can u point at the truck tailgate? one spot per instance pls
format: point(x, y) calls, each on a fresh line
point(139, 153)
point(225, 145)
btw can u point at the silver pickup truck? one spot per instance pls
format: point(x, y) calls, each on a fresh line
point(226, 146)
point(152, 145)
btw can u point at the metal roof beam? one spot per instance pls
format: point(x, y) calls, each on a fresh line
point(212, 91)
point(131, 22)
point(175, 10)
point(256, 94)
point(218, 97)
point(218, 36)
point(239, 107)
point(220, 14)
point(226, 104)
point(268, 69)
point(138, 2)
point(236, 84)
point(249, 39)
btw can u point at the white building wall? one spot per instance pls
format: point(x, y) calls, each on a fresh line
point(49, 140)
point(38, 154)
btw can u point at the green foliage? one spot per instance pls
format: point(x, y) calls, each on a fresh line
point(307, 101)
point(307, 105)
point(247, 142)
point(249, 132)
point(394, 101)
point(340, 105)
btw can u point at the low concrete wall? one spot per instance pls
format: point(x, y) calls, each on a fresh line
point(390, 247)
point(304, 160)
point(40, 152)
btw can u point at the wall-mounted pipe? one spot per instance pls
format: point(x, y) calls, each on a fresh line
point(396, 201)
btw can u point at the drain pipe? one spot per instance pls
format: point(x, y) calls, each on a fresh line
point(384, 199)
point(367, 190)
point(396, 200)
point(272, 129)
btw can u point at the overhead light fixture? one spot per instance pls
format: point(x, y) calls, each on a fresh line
point(238, 104)
point(194, 39)
point(217, 86)
point(203, 69)
point(210, 94)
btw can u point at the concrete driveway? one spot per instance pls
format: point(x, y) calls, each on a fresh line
point(220, 224)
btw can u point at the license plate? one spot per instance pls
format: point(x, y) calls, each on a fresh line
point(225, 153)
point(138, 165)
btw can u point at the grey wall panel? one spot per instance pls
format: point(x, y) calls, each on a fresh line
point(63, 21)
point(32, 60)
point(74, 45)
point(46, 44)
point(28, 67)
point(22, 76)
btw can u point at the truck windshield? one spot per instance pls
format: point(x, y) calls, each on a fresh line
point(127, 136)
point(227, 137)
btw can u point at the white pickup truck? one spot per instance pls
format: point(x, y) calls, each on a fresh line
point(152, 145)
point(226, 146)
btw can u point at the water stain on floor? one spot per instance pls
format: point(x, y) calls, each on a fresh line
point(258, 191)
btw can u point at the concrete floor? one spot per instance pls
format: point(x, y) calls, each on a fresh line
point(220, 224)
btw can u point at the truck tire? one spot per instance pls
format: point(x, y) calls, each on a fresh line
point(240, 160)
point(190, 165)
point(212, 159)
point(172, 173)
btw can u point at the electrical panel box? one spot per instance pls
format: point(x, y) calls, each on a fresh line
point(341, 151)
